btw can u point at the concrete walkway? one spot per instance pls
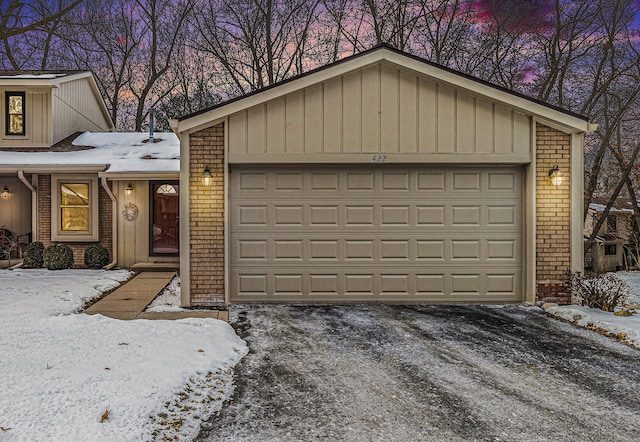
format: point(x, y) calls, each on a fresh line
point(130, 300)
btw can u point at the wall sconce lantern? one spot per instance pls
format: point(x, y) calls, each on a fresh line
point(5, 192)
point(128, 190)
point(555, 176)
point(206, 177)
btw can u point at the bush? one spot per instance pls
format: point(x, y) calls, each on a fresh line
point(33, 255)
point(58, 257)
point(605, 291)
point(96, 256)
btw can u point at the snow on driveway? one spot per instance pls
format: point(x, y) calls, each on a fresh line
point(60, 372)
point(430, 373)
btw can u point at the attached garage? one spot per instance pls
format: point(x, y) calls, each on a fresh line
point(380, 178)
point(392, 234)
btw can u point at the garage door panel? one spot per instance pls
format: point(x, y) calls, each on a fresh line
point(395, 234)
point(287, 215)
point(431, 181)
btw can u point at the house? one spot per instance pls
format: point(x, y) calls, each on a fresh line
point(60, 185)
point(609, 252)
point(380, 178)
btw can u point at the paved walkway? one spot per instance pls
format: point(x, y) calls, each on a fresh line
point(130, 300)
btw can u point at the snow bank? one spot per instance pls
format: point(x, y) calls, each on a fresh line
point(625, 328)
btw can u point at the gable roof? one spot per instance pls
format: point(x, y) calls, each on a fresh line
point(51, 79)
point(389, 54)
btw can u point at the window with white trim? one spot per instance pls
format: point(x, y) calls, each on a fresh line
point(74, 208)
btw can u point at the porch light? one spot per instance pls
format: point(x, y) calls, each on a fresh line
point(555, 176)
point(206, 177)
point(128, 190)
point(5, 192)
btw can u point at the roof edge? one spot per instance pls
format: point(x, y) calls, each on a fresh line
point(379, 48)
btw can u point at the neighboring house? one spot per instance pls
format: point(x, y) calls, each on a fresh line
point(66, 187)
point(380, 178)
point(608, 252)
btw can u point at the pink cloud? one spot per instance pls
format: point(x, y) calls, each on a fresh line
point(517, 15)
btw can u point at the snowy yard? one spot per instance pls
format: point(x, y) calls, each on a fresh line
point(625, 328)
point(61, 372)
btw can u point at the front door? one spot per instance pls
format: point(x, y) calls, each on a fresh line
point(164, 229)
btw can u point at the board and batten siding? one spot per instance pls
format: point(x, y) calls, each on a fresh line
point(380, 109)
point(74, 112)
point(37, 121)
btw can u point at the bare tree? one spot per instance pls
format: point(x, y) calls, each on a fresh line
point(164, 29)
point(28, 30)
point(255, 43)
point(104, 39)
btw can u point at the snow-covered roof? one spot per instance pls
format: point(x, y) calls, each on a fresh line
point(117, 152)
point(33, 76)
point(600, 208)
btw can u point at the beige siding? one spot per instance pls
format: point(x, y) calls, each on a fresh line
point(379, 109)
point(37, 122)
point(76, 109)
point(133, 236)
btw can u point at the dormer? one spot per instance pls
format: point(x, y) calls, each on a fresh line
point(41, 108)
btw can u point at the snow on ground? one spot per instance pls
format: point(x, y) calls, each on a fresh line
point(626, 328)
point(168, 300)
point(61, 372)
point(633, 279)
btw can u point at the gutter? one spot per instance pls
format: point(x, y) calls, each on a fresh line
point(46, 168)
point(34, 205)
point(114, 224)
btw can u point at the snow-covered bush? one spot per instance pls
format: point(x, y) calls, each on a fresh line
point(96, 256)
point(33, 256)
point(604, 291)
point(58, 257)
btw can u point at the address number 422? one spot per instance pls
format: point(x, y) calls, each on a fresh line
point(379, 158)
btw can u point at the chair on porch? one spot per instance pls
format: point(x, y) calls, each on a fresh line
point(8, 245)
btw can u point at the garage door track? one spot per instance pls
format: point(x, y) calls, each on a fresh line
point(387, 373)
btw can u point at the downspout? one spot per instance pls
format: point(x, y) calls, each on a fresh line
point(114, 224)
point(34, 205)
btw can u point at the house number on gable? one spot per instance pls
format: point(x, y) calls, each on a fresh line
point(379, 158)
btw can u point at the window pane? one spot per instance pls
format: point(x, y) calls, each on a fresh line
point(15, 104)
point(74, 194)
point(74, 219)
point(15, 124)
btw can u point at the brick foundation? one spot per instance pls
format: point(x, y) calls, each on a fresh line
point(44, 221)
point(553, 220)
point(206, 217)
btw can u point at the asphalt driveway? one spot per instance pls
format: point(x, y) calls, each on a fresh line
point(433, 373)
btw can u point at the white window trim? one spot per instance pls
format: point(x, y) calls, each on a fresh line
point(56, 232)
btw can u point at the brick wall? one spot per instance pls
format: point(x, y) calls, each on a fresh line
point(553, 220)
point(206, 217)
point(44, 221)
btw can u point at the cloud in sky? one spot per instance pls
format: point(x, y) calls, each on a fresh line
point(516, 14)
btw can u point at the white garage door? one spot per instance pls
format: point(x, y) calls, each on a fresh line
point(398, 234)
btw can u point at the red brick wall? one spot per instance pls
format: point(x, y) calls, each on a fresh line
point(553, 220)
point(105, 228)
point(206, 217)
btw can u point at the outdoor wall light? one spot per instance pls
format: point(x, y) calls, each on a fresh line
point(206, 177)
point(128, 190)
point(5, 192)
point(555, 176)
